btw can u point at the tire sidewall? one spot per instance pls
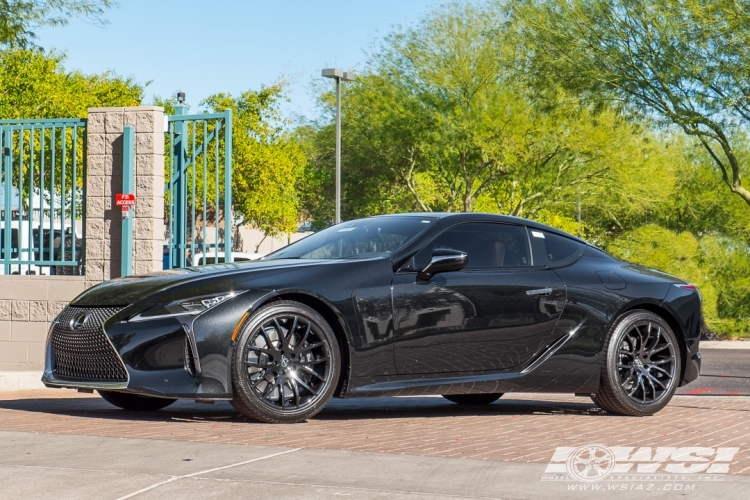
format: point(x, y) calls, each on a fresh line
point(620, 328)
point(240, 382)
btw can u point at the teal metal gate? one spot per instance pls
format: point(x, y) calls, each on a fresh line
point(41, 210)
point(199, 188)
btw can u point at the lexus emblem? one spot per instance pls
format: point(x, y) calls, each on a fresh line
point(79, 320)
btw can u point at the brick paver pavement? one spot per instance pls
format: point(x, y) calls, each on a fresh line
point(524, 428)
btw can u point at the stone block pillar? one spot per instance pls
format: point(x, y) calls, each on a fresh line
point(104, 180)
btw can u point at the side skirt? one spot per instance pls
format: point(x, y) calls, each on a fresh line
point(556, 370)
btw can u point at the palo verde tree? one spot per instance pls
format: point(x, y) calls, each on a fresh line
point(446, 104)
point(683, 62)
point(441, 119)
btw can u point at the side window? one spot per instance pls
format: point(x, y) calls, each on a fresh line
point(488, 245)
point(554, 250)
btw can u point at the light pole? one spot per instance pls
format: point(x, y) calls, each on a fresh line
point(338, 75)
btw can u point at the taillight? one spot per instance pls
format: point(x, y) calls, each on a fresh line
point(690, 287)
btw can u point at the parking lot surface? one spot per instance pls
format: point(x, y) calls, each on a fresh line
point(57, 443)
point(725, 370)
point(418, 447)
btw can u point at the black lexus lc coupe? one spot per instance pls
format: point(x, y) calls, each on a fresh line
point(468, 306)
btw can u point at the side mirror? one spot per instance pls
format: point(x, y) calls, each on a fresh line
point(443, 259)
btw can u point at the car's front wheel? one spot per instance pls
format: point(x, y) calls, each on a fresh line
point(473, 399)
point(135, 402)
point(286, 364)
point(641, 367)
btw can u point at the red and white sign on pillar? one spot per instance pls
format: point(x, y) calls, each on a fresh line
point(125, 201)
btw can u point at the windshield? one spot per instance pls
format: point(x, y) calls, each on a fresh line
point(357, 239)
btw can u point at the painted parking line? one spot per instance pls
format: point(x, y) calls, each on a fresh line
point(207, 471)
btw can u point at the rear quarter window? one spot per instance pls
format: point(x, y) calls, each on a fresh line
point(552, 250)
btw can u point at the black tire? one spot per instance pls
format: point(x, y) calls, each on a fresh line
point(641, 365)
point(473, 399)
point(135, 402)
point(286, 364)
point(234, 406)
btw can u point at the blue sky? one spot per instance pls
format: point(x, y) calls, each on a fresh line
point(205, 47)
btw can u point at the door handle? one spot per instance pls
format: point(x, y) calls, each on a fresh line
point(539, 291)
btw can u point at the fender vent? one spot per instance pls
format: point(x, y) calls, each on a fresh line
point(189, 358)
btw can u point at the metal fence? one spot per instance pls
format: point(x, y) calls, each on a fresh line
point(41, 210)
point(199, 188)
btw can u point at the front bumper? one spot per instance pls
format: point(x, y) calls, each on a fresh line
point(105, 351)
point(157, 357)
point(50, 380)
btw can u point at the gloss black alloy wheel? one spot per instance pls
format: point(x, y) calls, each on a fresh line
point(473, 399)
point(642, 365)
point(135, 402)
point(286, 364)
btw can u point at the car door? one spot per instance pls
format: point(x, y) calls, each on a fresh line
point(493, 314)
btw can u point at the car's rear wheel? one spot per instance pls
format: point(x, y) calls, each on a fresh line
point(135, 402)
point(641, 366)
point(286, 364)
point(473, 399)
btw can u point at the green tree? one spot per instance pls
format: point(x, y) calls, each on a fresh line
point(609, 175)
point(684, 62)
point(700, 202)
point(266, 161)
point(701, 205)
point(441, 120)
point(729, 260)
point(457, 115)
point(19, 18)
point(35, 84)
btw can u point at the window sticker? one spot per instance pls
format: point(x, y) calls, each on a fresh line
point(537, 234)
point(346, 229)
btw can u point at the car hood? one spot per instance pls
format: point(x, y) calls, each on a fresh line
point(189, 281)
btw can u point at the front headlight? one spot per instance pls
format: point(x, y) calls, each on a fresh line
point(197, 306)
point(185, 307)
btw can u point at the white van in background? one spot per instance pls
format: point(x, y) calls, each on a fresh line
point(211, 257)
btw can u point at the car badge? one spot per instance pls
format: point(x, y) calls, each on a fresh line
point(79, 320)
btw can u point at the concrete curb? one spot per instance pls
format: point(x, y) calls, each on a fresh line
point(20, 381)
point(724, 344)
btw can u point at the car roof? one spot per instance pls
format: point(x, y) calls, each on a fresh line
point(479, 216)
